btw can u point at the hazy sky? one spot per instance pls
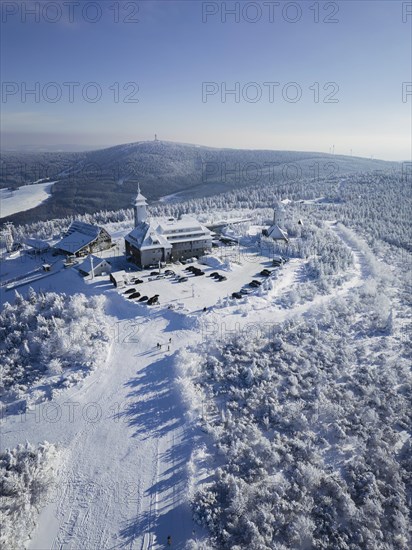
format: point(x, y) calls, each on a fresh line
point(300, 81)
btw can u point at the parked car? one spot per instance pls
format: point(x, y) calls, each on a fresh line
point(255, 284)
point(182, 279)
point(137, 281)
point(161, 276)
point(129, 291)
point(279, 260)
point(214, 274)
point(152, 273)
point(169, 272)
point(153, 300)
point(143, 299)
point(199, 273)
point(237, 295)
point(134, 295)
point(265, 273)
point(222, 278)
point(244, 291)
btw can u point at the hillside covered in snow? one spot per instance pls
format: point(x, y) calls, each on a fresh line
point(272, 416)
point(174, 171)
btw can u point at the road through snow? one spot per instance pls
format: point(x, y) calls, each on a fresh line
point(251, 315)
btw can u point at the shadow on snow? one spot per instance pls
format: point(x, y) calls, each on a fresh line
point(156, 412)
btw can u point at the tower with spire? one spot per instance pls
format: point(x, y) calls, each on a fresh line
point(139, 208)
point(279, 215)
point(277, 230)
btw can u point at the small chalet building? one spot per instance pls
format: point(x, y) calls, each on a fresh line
point(164, 239)
point(118, 278)
point(84, 238)
point(94, 266)
point(276, 231)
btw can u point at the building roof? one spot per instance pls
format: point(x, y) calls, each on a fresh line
point(163, 232)
point(83, 227)
point(78, 236)
point(184, 239)
point(186, 224)
point(280, 206)
point(140, 199)
point(86, 265)
point(118, 276)
point(145, 237)
point(276, 233)
point(37, 244)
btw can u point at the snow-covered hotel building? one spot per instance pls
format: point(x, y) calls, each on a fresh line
point(84, 238)
point(164, 239)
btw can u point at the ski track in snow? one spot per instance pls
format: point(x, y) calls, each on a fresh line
point(123, 480)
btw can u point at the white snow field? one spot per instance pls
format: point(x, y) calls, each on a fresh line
point(124, 433)
point(24, 198)
point(125, 446)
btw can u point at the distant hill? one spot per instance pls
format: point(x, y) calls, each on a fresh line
point(107, 178)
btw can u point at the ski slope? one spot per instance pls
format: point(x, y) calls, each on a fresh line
point(24, 198)
point(122, 483)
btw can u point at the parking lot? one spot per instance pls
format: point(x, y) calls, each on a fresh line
point(191, 287)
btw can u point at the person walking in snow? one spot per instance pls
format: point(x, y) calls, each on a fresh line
point(170, 340)
point(169, 540)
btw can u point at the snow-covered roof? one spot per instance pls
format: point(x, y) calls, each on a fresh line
point(85, 228)
point(183, 238)
point(275, 232)
point(37, 244)
point(86, 265)
point(118, 275)
point(74, 242)
point(140, 199)
point(280, 206)
point(186, 224)
point(163, 232)
point(144, 237)
point(78, 236)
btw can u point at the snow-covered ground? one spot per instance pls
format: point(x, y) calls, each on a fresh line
point(24, 198)
point(123, 430)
